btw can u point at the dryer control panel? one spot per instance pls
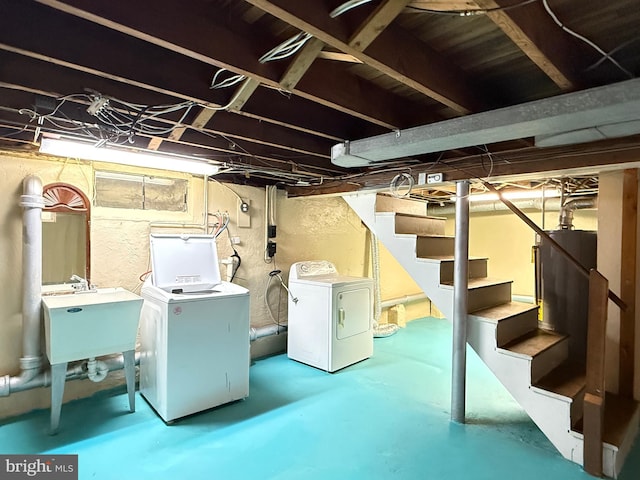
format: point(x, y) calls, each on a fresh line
point(311, 269)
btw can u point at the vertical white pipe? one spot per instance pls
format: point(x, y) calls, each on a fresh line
point(32, 203)
point(460, 303)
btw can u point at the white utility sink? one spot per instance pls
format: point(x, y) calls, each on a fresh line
point(89, 324)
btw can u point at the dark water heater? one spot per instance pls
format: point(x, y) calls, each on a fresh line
point(565, 291)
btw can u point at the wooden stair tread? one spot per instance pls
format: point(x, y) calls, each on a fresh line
point(481, 282)
point(534, 343)
point(505, 310)
point(416, 215)
point(449, 258)
point(568, 380)
point(433, 235)
point(618, 413)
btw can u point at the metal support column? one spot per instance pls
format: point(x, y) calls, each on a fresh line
point(460, 303)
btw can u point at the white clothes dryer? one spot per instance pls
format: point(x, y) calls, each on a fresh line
point(330, 323)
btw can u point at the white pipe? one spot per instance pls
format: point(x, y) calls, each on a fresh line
point(31, 360)
point(96, 370)
point(259, 332)
point(402, 300)
point(74, 372)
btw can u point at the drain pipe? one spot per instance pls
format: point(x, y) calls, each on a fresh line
point(97, 370)
point(31, 361)
point(259, 332)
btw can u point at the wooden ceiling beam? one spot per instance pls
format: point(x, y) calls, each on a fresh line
point(377, 21)
point(220, 148)
point(539, 38)
point(183, 30)
point(301, 63)
point(239, 98)
point(567, 160)
point(143, 64)
point(39, 75)
point(394, 52)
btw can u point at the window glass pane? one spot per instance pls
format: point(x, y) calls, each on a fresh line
point(119, 190)
point(123, 190)
point(165, 194)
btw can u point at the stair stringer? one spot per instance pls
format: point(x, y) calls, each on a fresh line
point(551, 414)
point(403, 248)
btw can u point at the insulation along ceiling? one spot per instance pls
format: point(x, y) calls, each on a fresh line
point(603, 112)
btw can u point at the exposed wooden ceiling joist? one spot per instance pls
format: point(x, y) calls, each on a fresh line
point(394, 53)
point(47, 77)
point(301, 63)
point(377, 21)
point(535, 33)
point(182, 30)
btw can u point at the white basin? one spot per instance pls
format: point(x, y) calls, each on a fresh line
point(89, 324)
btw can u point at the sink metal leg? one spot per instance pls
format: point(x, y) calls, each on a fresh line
point(130, 376)
point(58, 377)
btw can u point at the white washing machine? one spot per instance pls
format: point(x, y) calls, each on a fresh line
point(194, 330)
point(330, 324)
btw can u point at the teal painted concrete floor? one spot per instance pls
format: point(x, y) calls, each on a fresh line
point(384, 418)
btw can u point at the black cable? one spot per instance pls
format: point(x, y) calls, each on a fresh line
point(236, 267)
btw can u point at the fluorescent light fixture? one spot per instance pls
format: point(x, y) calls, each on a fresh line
point(86, 151)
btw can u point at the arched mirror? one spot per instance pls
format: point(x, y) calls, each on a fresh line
point(65, 234)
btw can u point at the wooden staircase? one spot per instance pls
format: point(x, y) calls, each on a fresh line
point(532, 363)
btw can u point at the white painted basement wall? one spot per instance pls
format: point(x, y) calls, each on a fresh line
point(308, 229)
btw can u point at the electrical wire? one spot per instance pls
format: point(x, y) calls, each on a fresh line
point(473, 12)
point(615, 50)
point(400, 181)
point(584, 39)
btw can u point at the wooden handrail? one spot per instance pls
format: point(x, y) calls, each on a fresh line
point(594, 398)
point(574, 261)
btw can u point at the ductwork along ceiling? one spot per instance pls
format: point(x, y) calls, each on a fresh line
point(331, 96)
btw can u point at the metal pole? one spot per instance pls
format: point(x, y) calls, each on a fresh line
point(460, 303)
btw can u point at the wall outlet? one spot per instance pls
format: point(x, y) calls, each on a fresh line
point(244, 213)
point(435, 178)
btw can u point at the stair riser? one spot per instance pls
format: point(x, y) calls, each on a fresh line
point(400, 205)
point(489, 296)
point(435, 247)
point(546, 361)
point(419, 226)
point(477, 269)
point(513, 327)
point(577, 408)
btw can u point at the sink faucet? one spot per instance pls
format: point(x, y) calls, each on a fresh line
point(82, 284)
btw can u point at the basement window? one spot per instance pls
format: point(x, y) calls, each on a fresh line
point(140, 192)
